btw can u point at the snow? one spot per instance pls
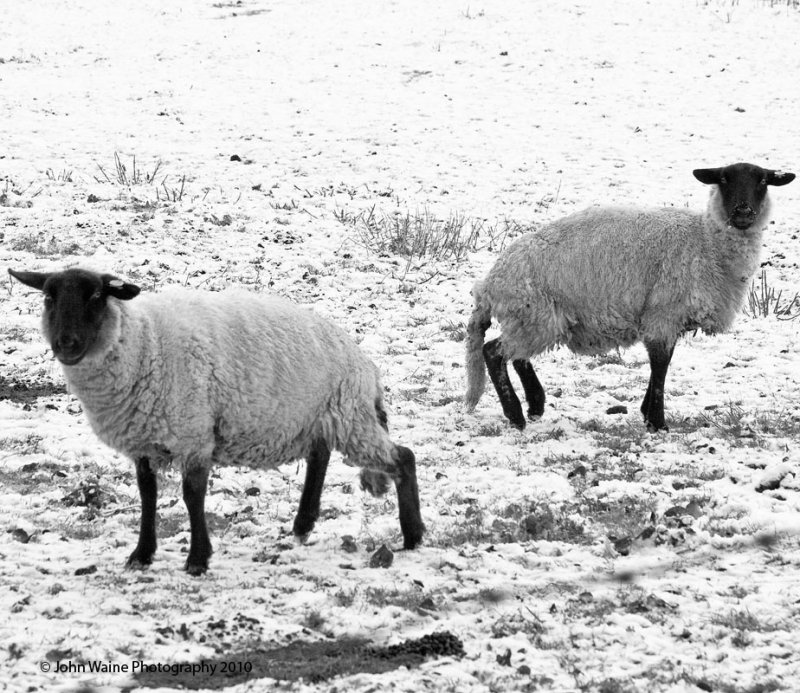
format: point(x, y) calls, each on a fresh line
point(514, 111)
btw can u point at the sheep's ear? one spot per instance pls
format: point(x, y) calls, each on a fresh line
point(779, 177)
point(112, 286)
point(709, 176)
point(35, 280)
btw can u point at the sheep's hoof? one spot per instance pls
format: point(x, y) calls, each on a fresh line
point(302, 528)
point(412, 541)
point(655, 428)
point(514, 414)
point(135, 564)
point(139, 560)
point(519, 424)
point(196, 569)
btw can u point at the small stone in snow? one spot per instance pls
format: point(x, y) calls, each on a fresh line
point(647, 532)
point(504, 660)
point(694, 509)
point(88, 570)
point(623, 546)
point(56, 655)
point(382, 558)
point(349, 544)
point(20, 535)
point(617, 409)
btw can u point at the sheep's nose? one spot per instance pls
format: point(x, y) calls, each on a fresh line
point(66, 342)
point(743, 208)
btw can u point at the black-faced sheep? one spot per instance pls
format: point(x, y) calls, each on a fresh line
point(611, 277)
point(231, 378)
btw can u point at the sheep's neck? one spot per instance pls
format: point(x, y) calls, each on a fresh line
point(105, 381)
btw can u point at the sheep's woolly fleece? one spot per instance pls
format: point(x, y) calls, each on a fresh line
point(248, 380)
point(582, 554)
point(607, 277)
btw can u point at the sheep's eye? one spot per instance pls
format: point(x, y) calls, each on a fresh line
point(48, 301)
point(96, 296)
point(762, 183)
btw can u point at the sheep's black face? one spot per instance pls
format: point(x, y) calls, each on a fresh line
point(743, 190)
point(75, 303)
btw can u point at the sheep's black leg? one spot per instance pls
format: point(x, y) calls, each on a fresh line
point(534, 392)
point(498, 372)
point(148, 491)
point(195, 481)
point(316, 468)
point(660, 354)
point(408, 497)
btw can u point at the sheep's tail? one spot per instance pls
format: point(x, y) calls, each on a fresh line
point(476, 329)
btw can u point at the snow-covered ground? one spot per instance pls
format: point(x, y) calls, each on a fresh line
point(583, 554)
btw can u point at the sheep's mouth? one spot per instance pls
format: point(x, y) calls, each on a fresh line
point(71, 358)
point(742, 221)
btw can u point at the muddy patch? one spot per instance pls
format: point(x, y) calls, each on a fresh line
point(27, 392)
point(310, 661)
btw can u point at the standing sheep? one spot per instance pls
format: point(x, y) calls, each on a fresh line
point(220, 378)
point(608, 277)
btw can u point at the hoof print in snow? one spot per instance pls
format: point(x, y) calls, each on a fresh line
point(382, 558)
point(617, 409)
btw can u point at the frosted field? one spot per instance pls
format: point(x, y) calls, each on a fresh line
point(258, 141)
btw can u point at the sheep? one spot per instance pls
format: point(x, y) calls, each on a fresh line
point(609, 277)
point(230, 378)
